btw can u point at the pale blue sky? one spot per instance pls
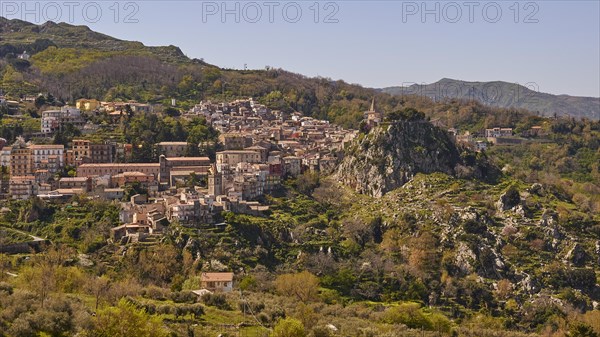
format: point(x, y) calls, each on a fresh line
point(377, 43)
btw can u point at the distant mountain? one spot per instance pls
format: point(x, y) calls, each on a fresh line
point(506, 95)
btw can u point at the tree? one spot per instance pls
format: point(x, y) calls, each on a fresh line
point(304, 286)
point(126, 320)
point(407, 114)
point(46, 274)
point(193, 180)
point(66, 134)
point(132, 189)
point(424, 258)
point(288, 327)
point(40, 101)
point(582, 330)
point(172, 112)
point(50, 99)
point(307, 182)
point(99, 287)
point(159, 264)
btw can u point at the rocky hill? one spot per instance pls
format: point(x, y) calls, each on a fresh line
point(21, 35)
point(507, 231)
point(506, 95)
point(391, 154)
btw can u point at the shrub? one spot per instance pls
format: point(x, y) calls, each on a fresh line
point(582, 330)
point(321, 331)
point(409, 314)
point(288, 327)
point(216, 300)
point(248, 283)
point(126, 320)
point(183, 297)
point(5, 287)
point(440, 323)
point(252, 307)
point(155, 293)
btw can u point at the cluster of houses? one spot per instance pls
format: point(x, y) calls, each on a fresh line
point(495, 136)
point(259, 148)
point(57, 119)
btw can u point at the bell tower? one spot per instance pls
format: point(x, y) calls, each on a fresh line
point(215, 181)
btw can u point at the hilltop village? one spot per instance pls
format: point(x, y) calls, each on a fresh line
point(258, 149)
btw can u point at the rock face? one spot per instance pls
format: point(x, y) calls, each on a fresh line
point(391, 154)
point(510, 199)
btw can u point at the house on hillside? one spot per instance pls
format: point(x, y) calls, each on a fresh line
point(217, 282)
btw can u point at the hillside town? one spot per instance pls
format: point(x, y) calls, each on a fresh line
point(258, 149)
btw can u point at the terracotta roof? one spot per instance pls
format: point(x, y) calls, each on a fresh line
point(216, 277)
point(121, 165)
point(35, 147)
point(131, 174)
point(173, 143)
point(74, 179)
point(188, 159)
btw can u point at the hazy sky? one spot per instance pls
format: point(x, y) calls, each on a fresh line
point(554, 44)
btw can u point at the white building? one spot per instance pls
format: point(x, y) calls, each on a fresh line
point(50, 157)
point(498, 132)
point(50, 121)
point(5, 156)
point(54, 120)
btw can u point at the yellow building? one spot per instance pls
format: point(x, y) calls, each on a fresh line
point(87, 104)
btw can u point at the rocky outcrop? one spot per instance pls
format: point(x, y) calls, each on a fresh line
point(509, 200)
point(577, 255)
point(391, 154)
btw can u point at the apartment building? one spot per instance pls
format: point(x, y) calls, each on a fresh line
point(54, 120)
point(103, 169)
point(233, 157)
point(85, 152)
point(49, 157)
point(172, 149)
point(168, 164)
point(20, 161)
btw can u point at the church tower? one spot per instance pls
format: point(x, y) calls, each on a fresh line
point(372, 117)
point(215, 181)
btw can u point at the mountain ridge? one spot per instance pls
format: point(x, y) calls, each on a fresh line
point(505, 95)
point(65, 35)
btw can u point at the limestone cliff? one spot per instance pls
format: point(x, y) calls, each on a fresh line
point(388, 156)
